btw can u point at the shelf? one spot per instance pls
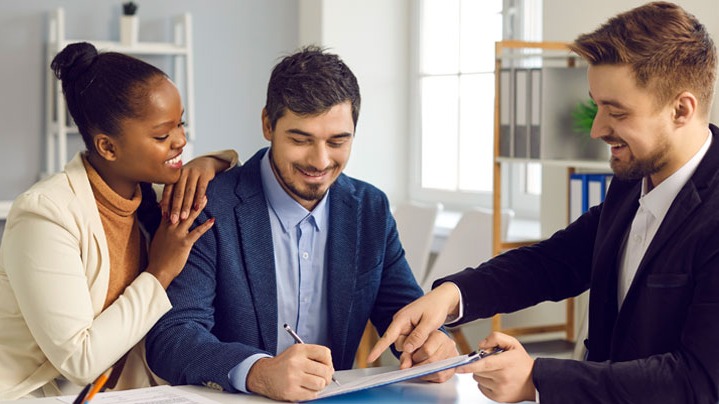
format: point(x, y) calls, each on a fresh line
point(516, 51)
point(140, 48)
point(591, 164)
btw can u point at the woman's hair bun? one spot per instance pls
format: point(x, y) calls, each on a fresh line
point(73, 61)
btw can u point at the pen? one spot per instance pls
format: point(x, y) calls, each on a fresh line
point(81, 396)
point(96, 386)
point(299, 341)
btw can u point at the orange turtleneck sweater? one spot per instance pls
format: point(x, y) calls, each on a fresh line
point(125, 242)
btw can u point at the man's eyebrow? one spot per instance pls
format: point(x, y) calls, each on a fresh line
point(303, 133)
point(610, 102)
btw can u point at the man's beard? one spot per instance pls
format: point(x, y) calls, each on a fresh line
point(313, 193)
point(639, 168)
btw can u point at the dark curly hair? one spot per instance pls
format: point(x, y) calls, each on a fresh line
point(102, 89)
point(311, 82)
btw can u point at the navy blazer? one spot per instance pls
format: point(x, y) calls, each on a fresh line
point(225, 300)
point(663, 345)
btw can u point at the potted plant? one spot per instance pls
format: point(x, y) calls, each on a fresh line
point(583, 116)
point(582, 121)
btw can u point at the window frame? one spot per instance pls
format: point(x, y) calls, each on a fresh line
point(514, 193)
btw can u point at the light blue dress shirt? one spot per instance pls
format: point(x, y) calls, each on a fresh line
point(299, 238)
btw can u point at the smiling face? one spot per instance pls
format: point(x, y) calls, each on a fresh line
point(308, 153)
point(628, 119)
point(149, 148)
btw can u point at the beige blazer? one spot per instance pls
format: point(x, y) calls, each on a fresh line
point(54, 272)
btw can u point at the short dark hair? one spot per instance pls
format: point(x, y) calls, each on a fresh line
point(311, 82)
point(668, 50)
point(102, 89)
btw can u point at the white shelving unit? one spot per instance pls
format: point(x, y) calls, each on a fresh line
point(514, 52)
point(58, 125)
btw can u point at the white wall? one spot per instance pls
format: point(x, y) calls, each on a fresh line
point(236, 43)
point(372, 37)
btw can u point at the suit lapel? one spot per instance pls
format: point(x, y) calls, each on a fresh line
point(342, 261)
point(606, 256)
point(685, 203)
point(617, 213)
point(253, 224)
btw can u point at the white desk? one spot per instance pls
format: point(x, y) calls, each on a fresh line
point(461, 389)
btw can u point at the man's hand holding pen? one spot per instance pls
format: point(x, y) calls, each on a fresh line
point(297, 374)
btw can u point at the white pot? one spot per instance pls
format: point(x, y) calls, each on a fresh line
point(129, 25)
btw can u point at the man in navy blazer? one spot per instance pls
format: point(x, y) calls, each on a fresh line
point(649, 254)
point(295, 241)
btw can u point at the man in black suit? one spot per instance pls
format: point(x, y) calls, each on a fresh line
point(649, 253)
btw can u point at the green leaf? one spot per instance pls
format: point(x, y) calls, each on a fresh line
point(583, 116)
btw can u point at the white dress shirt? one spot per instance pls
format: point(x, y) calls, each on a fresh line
point(653, 206)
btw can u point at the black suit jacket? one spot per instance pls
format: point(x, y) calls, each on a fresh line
point(663, 345)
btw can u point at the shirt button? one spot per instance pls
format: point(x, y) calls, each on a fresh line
point(305, 255)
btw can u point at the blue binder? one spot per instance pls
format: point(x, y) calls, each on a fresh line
point(585, 191)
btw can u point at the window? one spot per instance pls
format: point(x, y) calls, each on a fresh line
point(457, 92)
point(455, 103)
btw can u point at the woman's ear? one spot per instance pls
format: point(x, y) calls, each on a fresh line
point(105, 146)
point(685, 107)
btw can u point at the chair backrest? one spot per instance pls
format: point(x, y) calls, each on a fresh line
point(415, 224)
point(468, 244)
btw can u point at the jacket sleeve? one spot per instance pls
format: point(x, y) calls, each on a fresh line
point(181, 348)
point(43, 256)
point(229, 156)
point(687, 374)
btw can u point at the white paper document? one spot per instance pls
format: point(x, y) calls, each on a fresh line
point(147, 395)
point(350, 381)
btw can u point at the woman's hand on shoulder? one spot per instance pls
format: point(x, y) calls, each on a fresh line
point(172, 243)
point(180, 198)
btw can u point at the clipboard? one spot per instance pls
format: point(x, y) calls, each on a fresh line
point(350, 382)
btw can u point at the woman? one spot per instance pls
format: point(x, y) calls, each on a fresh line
point(80, 281)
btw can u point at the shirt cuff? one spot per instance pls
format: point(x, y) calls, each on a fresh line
point(454, 319)
point(238, 374)
point(536, 395)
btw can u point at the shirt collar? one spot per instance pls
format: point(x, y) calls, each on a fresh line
point(658, 200)
point(288, 211)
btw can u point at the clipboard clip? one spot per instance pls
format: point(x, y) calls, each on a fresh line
point(483, 354)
